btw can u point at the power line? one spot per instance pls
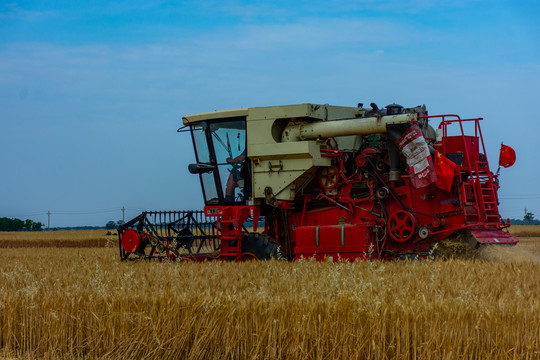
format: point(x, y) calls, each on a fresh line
point(64, 212)
point(85, 212)
point(31, 214)
point(522, 194)
point(50, 213)
point(75, 212)
point(520, 197)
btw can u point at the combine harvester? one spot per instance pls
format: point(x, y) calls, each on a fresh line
point(328, 182)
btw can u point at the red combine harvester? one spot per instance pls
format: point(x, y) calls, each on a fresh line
point(328, 182)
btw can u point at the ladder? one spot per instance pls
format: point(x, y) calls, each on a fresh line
point(230, 222)
point(480, 195)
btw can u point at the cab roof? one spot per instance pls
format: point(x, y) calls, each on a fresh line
point(218, 114)
point(314, 111)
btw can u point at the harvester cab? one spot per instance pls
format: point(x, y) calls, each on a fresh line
point(217, 143)
point(328, 182)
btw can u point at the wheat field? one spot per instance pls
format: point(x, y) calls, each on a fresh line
point(74, 302)
point(61, 238)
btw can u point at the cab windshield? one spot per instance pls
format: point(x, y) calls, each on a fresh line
point(222, 143)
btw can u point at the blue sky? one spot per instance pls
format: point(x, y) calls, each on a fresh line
point(91, 94)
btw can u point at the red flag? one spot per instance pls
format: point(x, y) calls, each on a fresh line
point(445, 170)
point(507, 157)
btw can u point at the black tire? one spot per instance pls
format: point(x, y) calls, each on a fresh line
point(261, 247)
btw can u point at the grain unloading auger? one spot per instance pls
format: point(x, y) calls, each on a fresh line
point(328, 182)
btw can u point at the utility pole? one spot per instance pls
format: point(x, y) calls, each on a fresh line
point(49, 220)
point(123, 218)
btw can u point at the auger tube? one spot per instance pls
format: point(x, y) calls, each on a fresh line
point(355, 126)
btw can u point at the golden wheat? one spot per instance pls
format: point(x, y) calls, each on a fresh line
point(62, 238)
point(72, 303)
point(522, 231)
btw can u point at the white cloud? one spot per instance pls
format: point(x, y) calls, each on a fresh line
point(281, 9)
point(13, 11)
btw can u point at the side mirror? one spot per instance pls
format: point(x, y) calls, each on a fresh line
point(200, 168)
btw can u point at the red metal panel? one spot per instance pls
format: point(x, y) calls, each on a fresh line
point(463, 145)
point(494, 237)
point(332, 239)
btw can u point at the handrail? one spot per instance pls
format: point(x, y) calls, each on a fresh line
point(478, 134)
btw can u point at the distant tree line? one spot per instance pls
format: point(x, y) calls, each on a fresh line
point(12, 224)
point(528, 219)
point(524, 222)
point(113, 224)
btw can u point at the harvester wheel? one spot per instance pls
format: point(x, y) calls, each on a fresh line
point(130, 240)
point(261, 247)
point(361, 160)
point(329, 177)
point(401, 225)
